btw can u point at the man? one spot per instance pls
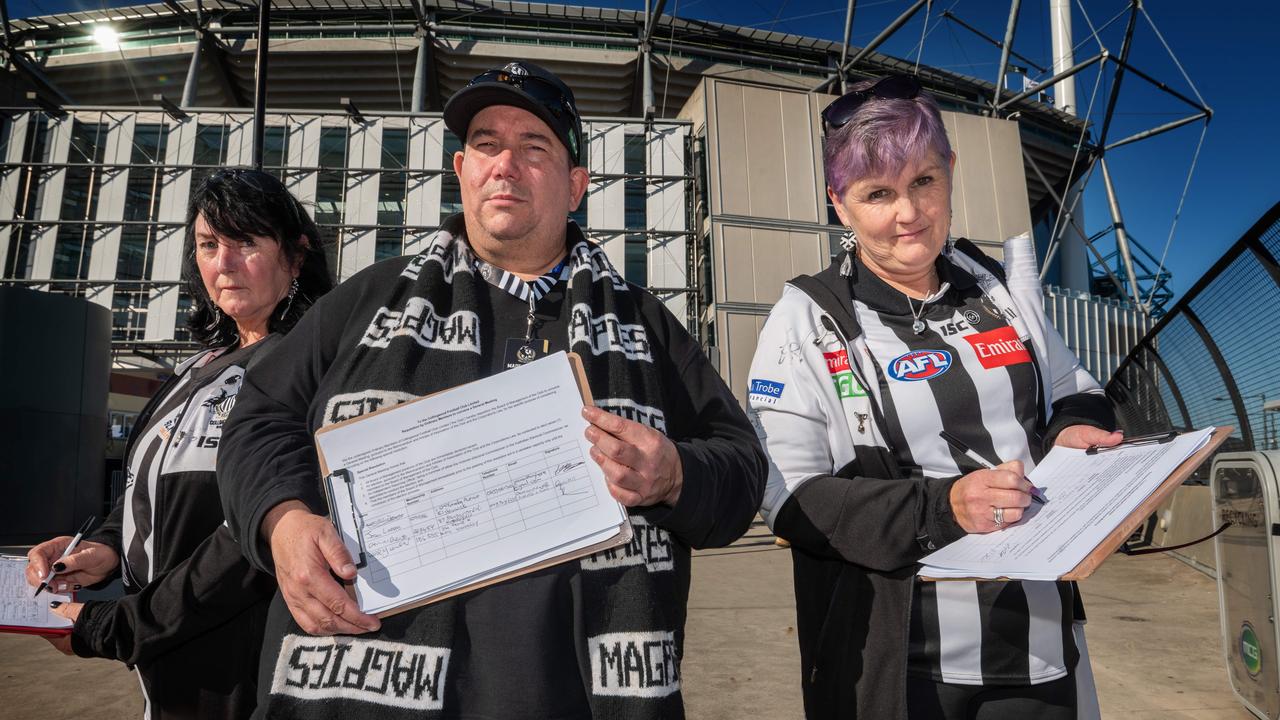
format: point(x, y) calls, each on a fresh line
point(508, 280)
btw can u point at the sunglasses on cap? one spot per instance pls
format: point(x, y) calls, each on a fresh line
point(841, 110)
point(544, 92)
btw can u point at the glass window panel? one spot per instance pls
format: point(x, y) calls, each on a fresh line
point(450, 190)
point(633, 163)
point(275, 150)
point(180, 330)
point(129, 313)
point(73, 243)
point(210, 152)
point(637, 260)
point(27, 203)
point(331, 188)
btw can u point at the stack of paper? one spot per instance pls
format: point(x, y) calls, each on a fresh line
point(1088, 497)
point(480, 482)
point(19, 610)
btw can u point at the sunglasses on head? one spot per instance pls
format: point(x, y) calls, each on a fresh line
point(841, 110)
point(544, 92)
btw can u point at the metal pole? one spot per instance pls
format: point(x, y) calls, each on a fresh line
point(1023, 58)
point(260, 91)
point(1063, 54)
point(419, 102)
point(1004, 51)
point(1157, 130)
point(192, 85)
point(646, 68)
point(1119, 76)
point(1122, 237)
point(844, 48)
point(1053, 80)
point(877, 42)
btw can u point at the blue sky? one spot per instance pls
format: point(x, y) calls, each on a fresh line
point(1229, 54)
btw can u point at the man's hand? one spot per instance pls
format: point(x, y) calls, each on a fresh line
point(90, 563)
point(305, 548)
point(70, 611)
point(641, 464)
point(1082, 436)
point(975, 497)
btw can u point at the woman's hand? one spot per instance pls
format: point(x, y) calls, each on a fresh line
point(305, 549)
point(70, 611)
point(1082, 436)
point(975, 497)
point(90, 563)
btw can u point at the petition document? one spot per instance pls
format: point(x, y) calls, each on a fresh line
point(1088, 497)
point(19, 610)
point(468, 484)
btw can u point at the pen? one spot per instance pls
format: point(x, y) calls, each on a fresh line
point(70, 547)
point(954, 442)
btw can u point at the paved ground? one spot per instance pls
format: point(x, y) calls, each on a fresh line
point(1153, 635)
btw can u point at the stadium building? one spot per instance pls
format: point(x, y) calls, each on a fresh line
point(704, 145)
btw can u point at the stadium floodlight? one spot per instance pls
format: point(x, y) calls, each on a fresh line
point(106, 37)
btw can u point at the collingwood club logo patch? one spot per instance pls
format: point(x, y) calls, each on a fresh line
point(640, 664)
point(350, 668)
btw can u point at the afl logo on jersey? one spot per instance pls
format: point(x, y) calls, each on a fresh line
point(920, 365)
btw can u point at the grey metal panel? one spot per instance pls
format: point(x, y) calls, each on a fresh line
point(741, 330)
point(755, 262)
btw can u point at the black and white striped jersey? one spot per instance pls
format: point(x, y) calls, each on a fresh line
point(969, 374)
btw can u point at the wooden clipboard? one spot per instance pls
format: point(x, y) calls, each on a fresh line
point(623, 537)
point(1133, 520)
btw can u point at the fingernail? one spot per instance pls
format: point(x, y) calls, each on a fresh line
point(586, 411)
point(59, 567)
point(55, 603)
point(349, 569)
point(76, 586)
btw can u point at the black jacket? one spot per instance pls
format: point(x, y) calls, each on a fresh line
point(193, 626)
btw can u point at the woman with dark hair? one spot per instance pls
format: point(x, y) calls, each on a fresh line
point(192, 617)
point(858, 371)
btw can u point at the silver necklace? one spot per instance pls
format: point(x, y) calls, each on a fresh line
point(917, 325)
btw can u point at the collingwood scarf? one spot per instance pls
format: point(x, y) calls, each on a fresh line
point(628, 603)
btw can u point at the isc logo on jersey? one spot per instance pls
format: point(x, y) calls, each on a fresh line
point(920, 365)
point(999, 347)
point(842, 375)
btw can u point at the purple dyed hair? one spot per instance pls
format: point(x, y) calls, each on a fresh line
point(882, 137)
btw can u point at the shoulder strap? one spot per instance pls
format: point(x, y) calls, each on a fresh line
point(818, 288)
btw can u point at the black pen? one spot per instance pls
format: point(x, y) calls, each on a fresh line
point(70, 547)
point(954, 442)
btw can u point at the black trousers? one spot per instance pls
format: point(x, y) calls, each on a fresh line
point(930, 700)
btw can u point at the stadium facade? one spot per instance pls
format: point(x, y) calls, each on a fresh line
point(704, 147)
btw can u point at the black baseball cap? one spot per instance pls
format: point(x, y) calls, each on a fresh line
point(526, 86)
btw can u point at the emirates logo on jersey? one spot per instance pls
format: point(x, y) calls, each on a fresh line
point(837, 362)
point(998, 348)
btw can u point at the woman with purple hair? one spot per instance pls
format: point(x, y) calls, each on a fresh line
point(860, 372)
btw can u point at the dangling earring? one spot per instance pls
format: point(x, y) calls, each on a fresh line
point(293, 290)
point(849, 241)
point(217, 318)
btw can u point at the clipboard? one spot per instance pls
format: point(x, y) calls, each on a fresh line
point(340, 484)
point(17, 560)
point(1117, 537)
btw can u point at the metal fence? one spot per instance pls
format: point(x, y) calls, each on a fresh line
point(1208, 361)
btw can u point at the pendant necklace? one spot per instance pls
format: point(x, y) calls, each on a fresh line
point(917, 325)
